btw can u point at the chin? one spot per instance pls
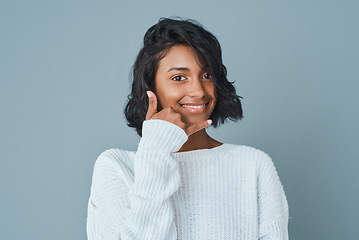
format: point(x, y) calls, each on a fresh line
point(192, 121)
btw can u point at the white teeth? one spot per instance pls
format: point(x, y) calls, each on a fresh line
point(191, 106)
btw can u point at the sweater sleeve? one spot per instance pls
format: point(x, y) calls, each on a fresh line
point(273, 212)
point(142, 211)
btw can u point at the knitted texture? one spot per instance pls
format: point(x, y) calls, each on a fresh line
point(227, 192)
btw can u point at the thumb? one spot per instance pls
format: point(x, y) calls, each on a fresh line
point(195, 128)
point(152, 105)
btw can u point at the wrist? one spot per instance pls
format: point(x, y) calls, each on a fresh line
point(161, 135)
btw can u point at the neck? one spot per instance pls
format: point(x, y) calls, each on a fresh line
point(199, 140)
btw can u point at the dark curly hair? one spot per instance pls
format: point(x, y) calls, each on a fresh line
point(156, 43)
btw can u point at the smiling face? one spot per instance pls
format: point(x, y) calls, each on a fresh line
point(181, 83)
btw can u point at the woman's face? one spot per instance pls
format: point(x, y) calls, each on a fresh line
point(181, 83)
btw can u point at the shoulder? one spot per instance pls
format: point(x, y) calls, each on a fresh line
point(248, 152)
point(112, 175)
point(113, 155)
point(251, 155)
point(114, 162)
point(257, 159)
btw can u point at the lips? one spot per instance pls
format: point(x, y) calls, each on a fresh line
point(194, 107)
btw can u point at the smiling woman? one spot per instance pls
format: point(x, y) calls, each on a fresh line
point(188, 87)
point(185, 86)
point(181, 183)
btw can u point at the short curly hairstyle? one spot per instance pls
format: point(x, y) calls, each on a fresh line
point(157, 41)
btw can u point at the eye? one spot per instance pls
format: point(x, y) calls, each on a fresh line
point(207, 76)
point(178, 78)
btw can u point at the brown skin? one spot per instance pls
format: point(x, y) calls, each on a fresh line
point(187, 97)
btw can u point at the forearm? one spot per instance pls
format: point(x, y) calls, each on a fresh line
point(143, 211)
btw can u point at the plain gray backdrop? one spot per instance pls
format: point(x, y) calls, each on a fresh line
point(64, 69)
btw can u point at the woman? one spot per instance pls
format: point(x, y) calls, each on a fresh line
point(181, 183)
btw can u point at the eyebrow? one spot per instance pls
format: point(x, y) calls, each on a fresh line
point(206, 68)
point(178, 69)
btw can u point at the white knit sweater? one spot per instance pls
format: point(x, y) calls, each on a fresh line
point(227, 192)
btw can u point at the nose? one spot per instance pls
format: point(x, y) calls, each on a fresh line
point(195, 89)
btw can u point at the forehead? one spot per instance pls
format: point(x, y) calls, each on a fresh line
point(181, 56)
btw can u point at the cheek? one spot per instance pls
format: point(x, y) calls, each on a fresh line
point(169, 96)
point(210, 89)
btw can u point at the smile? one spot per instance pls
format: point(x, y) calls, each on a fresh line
point(194, 108)
point(189, 106)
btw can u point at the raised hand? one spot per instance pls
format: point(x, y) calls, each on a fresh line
point(170, 115)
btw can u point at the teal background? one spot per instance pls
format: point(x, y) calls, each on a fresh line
point(64, 68)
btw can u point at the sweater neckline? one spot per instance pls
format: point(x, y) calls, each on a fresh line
point(201, 153)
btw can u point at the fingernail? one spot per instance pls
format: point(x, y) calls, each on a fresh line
point(209, 121)
point(148, 94)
